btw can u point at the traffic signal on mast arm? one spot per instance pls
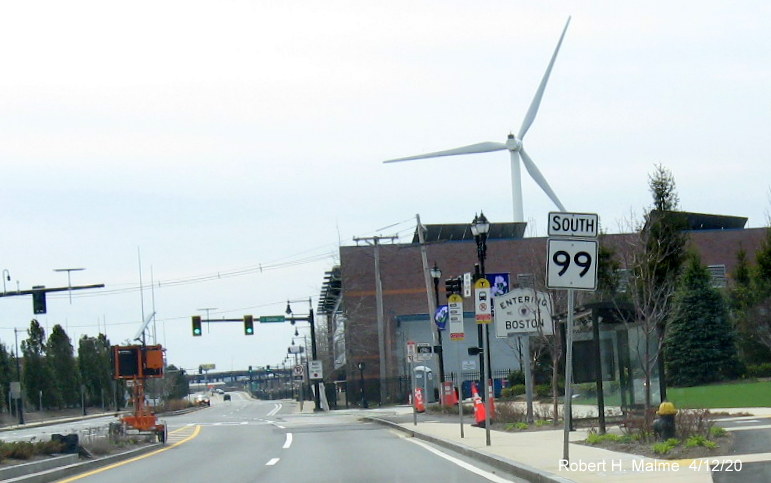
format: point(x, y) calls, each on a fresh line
point(39, 300)
point(197, 326)
point(248, 325)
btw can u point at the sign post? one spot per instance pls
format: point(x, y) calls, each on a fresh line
point(412, 353)
point(572, 265)
point(457, 334)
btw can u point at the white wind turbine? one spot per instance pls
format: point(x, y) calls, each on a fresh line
point(514, 145)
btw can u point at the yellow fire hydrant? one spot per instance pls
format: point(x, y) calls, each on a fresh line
point(664, 426)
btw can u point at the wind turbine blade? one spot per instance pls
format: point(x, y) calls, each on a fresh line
point(539, 93)
point(538, 177)
point(471, 149)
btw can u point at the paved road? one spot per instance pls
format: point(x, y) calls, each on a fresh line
point(752, 436)
point(247, 441)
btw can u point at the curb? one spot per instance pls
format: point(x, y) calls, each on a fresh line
point(518, 469)
point(50, 422)
point(77, 468)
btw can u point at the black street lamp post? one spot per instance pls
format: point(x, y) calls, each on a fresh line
point(436, 274)
point(309, 319)
point(480, 227)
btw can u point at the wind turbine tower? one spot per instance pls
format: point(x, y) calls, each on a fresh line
point(515, 147)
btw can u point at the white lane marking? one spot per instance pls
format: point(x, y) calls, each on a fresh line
point(461, 463)
point(748, 428)
point(272, 462)
point(244, 422)
point(275, 409)
point(288, 441)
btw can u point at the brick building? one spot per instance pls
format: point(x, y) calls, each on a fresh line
point(349, 295)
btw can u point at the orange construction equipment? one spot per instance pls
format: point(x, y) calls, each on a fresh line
point(420, 406)
point(136, 363)
point(479, 407)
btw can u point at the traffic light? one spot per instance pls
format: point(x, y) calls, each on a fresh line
point(453, 286)
point(197, 326)
point(473, 351)
point(39, 300)
point(248, 325)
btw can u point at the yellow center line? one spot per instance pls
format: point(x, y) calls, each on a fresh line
point(136, 458)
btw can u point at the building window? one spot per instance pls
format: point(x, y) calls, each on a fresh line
point(623, 275)
point(718, 275)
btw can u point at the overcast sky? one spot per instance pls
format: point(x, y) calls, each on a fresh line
point(234, 145)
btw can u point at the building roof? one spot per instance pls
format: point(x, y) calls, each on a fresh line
point(703, 221)
point(462, 232)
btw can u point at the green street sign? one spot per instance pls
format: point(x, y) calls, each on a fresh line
point(272, 318)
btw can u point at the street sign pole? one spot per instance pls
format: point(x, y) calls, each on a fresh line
point(567, 407)
point(412, 354)
point(460, 389)
point(571, 264)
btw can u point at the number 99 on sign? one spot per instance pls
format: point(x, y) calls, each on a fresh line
point(572, 264)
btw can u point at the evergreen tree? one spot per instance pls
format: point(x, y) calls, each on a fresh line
point(7, 374)
point(95, 366)
point(177, 386)
point(700, 340)
point(37, 376)
point(758, 314)
point(61, 360)
point(656, 264)
point(744, 296)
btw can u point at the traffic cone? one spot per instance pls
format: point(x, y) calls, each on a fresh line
point(479, 407)
point(419, 405)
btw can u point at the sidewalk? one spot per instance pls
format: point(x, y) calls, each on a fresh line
point(537, 455)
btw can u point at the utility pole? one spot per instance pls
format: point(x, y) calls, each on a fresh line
point(20, 400)
point(432, 305)
point(375, 240)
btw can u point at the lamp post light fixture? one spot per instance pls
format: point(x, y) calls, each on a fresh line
point(69, 280)
point(6, 276)
point(436, 274)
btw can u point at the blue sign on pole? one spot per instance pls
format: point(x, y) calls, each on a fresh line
point(441, 316)
point(499, 283)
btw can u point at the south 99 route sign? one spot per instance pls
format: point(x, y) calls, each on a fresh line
point(572, 263)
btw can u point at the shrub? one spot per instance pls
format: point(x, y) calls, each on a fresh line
point(48, 447)
point(759, 370)
point(509, 413)
point(666, 446)
point(694, 441)
point(544, 390)
point(694, 422)
point(516, 426)
point(595, 438)
point(717, 431)
point(516, 378)
point(21, 450)
point(588, 389)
